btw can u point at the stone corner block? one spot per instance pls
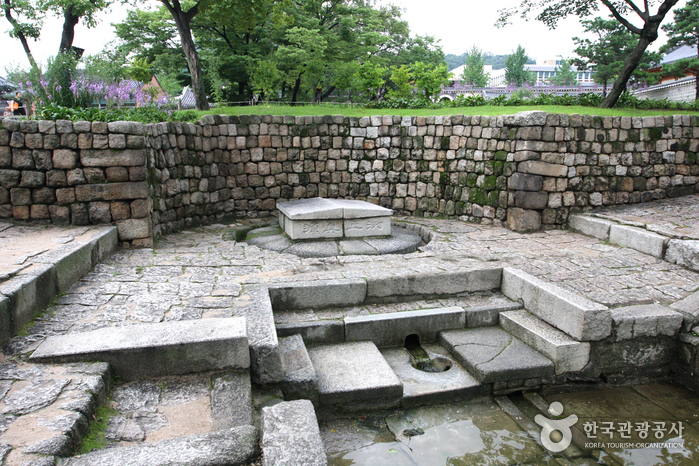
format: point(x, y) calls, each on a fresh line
point(290, 435)
point(523, 220)
point(641, 240)
point(318, 294)
point(590, 226)
point(571, 313)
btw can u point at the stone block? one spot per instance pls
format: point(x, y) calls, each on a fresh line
point(239, 445)
point(290, 435)
point(645, 320)
point(575, 315)
point(318, 294)
point(363, 227)
point(113, 158)
point(300, 379)
point(9, 178)
point(636, 238)
point(640, 353)
point(20, 196)
point(72, 261)
point(354, 372)
point(689, 307)
point(32, 179)
point(525, 182)
point(319, 331)
point(154, 350)
point(231, 400)
point(65, 159)
point(125, 127)
point(313, 229)
point(590, 226)
point(567, 355)
point(531, 200)
point(99, 212)
point(390, 329)
point(528, 118)
point(523, 220)
point(6, 328)
point(536, 167)
point(134, 228)
point(39, 212)
point(434, 284)
point(683, 252)
point(111, 191)
point(254, 304)
point(488, 315)
point(492, 355)
point(29, 292)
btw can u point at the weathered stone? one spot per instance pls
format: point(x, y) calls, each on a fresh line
point(635, 238)
point(650, 320)
point(113, 158)
point(525, 182)
point(134, 228)
point(431, 284)
point(117, 174)
point(99, 212)
point(683, 252)
point(31, 179)
point(536, 167)
point(94, 175)
point(523, 220)
point(65, 159)
point(125, 127)
point(9, 178)
point(231, 400)
point(590, 226)
point(37, 395)
point(531, 200)
point(111, 192)
point(318, 294)
point(290, 435)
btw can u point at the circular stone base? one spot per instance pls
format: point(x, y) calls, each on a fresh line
point(401, 241)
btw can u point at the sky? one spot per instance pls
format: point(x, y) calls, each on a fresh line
point(458, 24)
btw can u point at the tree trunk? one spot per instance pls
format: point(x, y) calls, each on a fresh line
point(630, 64)
point(297, 86)
point(604, 88)
point(327, 93)
point(20, 35)
point(183, 20)
point(70, 20)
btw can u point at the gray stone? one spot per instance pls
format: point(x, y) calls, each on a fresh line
point(391, 329)
point(531, 200)
point(72, 262)
point(523, 220)
point(151, 350)
point(111, 191)
point(640, 353)
point(312, 229)
point(421, 387)
point(318, 294)
point(493, 355)
point(125, 127)
point(238, 445)
point(689, 307)
point(590, 226)
point(635, 238)
point(646, 320)
point(684, 253)
point(354, 372)
point(314, 249)
point(355, 247)
point(59, 445)
point(6, 330)
point(435, 284)
point(488, 315)
point(579, 317)
point(320, 331)
point(529, 118)
point(30, 291)
point(231, 400)
point(265, 361)
point(112, 158)
point(290, 435)
point(397, 243)
point(300, 379)
point(568, 355)
point(37, 395)
point(134, 228)
point(536, 167)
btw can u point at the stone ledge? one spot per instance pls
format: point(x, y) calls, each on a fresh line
point(290, 435)
point(575, 315)
point(590, 226)
point(635, 238)
point(646, 320)
point(318, 294)
point(431, 284)
point(152, 350)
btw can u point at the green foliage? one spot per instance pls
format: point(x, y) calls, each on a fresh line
point(139, 70)
point(401, 80)
point(95, 438)
point(429, 79)
point(515, 73)
point(474, 74)
point(565, 75)
point(265, 77)
point(141, 114)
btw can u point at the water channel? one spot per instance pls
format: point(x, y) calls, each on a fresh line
point(480, 432)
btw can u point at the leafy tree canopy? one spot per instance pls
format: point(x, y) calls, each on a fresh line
point(514, 68)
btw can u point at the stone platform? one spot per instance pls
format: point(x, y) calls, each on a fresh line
point(333, 218)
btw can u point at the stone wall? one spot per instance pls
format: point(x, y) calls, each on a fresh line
point(526, 170)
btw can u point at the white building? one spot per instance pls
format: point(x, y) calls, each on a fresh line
point(543, 71)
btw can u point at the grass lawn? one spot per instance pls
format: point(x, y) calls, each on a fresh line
point(485, 110)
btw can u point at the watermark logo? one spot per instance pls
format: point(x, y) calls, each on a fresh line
point(549, 426)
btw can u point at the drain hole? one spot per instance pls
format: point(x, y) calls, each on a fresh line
point(419, 358)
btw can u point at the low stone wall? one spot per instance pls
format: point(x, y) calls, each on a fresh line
point(527, 170)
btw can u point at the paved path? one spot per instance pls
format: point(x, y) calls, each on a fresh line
point(200, 273)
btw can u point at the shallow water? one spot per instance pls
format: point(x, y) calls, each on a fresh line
point(478, 432)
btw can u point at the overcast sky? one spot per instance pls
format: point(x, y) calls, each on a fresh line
point(458, 24)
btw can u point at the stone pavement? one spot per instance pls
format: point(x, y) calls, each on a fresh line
point(200, 273)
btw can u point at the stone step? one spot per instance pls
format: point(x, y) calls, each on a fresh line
point(239, 445)
point(231, 400)
point(153, 350)
point(300, 379)
point(492, 355)
point(354, 373)
point(567, 354)
point(423, 388)
point(290, 435)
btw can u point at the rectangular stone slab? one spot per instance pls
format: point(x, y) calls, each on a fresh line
point(575, 315)
point(153, 350)
point(568, 355)
point(290, 435)
point(353, 373)
point(390, 329)
point(361, 227)
point(491, 355)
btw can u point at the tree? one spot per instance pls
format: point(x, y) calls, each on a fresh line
point(625, 12)
point(430, 78)
point(685, 31)
point(514, 68)
point(474, 74)
point(183, 20)
point(565, 75)
point(26, 22)
point(605, 54)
